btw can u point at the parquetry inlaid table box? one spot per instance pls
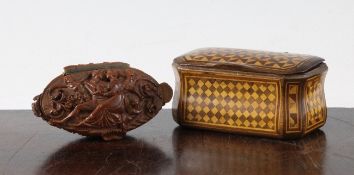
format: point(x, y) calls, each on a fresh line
point(271, 94)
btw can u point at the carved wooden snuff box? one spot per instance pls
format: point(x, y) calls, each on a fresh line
point(269, 94)
point(105, 99)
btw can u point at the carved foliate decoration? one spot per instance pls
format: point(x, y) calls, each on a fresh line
point(105, 100)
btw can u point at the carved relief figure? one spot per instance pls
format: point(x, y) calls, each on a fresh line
point(104, 102)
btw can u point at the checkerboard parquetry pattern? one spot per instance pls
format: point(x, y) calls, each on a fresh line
point(315, 102)
point(261, 59)
point(243, 104)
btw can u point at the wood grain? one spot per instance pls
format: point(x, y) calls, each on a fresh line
point(30, 146)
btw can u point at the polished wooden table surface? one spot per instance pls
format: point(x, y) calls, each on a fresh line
point(29, 145)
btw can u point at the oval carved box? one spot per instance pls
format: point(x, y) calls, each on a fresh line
point(260, 93)
point(104, 99)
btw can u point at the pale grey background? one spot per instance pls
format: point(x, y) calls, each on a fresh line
point(38, 38)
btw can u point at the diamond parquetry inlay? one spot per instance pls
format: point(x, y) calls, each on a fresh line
point(233, 102)
point(261, 59)
point(315, 103)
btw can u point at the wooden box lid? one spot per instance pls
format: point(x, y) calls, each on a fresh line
point(249, 60)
